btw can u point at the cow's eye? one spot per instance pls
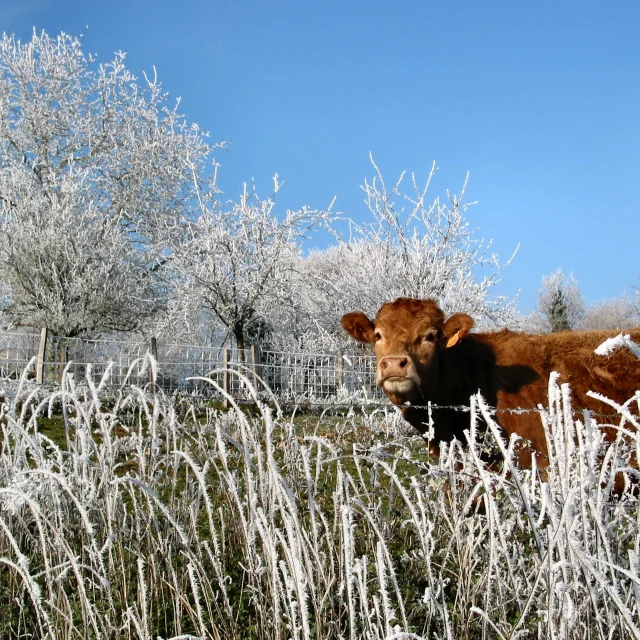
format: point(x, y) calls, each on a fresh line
point(430, 337)
point(377, 336)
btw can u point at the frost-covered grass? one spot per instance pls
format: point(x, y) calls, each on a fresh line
point(144, 517)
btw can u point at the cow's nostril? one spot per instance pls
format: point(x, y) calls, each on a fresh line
point(403, 363)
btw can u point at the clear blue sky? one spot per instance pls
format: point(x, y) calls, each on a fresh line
point(539, 101)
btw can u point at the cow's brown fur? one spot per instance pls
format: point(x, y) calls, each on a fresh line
point(423, 358)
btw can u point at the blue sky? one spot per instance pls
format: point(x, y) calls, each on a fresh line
point(539, 101)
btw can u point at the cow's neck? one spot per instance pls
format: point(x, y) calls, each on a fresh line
point(465, 370)
point(460, 372)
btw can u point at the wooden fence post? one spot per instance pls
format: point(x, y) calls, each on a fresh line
point(153, 350)
point(340, 370)
point(226, 357)
point(153, 347)
point(255, 366)
point(42, 350)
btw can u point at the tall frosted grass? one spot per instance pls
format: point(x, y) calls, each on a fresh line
point(153, 517)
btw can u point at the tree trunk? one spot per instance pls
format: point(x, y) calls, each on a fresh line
point(238, 334)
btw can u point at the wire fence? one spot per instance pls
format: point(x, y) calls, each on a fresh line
point(317, 376)
point(202, 371)
point(293, 374)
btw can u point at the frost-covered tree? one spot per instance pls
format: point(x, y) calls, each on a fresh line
point(560, 302)
point(97, 172)
point(239, 261)
point(411, 247)
point(5, 295)
point(617, 313)
point(72, 268)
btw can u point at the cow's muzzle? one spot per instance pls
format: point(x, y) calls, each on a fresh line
point(393, 367)
point(396, 374)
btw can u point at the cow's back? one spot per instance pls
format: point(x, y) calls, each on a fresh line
point(572, 355)
point(616, 376)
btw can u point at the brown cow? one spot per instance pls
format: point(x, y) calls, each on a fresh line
point(422, 358)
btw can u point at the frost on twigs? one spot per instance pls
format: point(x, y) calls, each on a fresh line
point(238, 261)
point(410, 243)
point(618, 342)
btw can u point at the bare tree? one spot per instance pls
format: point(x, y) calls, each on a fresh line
point(239, 261)
point(560, 302)
point(96, 175)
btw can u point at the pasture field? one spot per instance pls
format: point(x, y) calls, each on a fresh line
point(143, 515)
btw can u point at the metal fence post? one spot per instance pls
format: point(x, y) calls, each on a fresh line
point(42, 350)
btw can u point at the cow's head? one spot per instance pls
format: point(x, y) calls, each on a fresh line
point(407, 336)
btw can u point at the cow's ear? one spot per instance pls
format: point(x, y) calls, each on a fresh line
point(456, 328)
point(358, 326)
